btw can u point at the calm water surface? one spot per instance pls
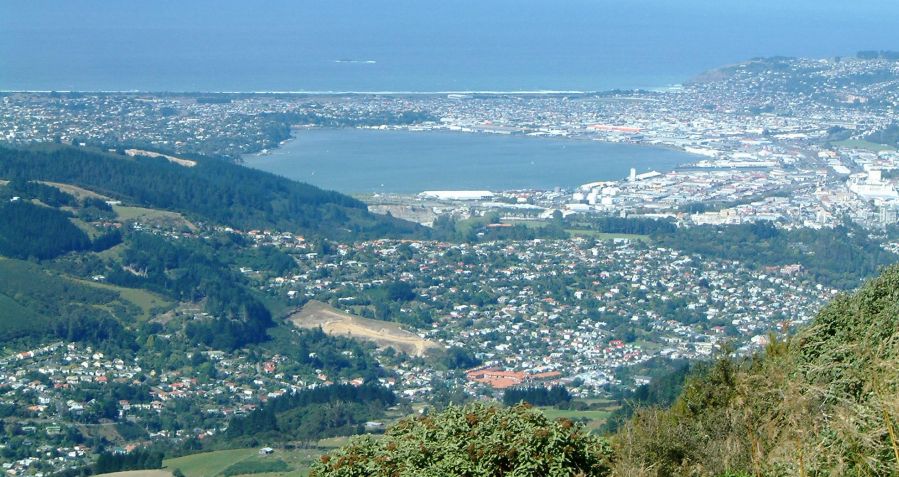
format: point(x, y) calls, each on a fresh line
point(366, 161)
point(415, 45)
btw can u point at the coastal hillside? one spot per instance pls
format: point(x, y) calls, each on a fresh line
point(211, 191)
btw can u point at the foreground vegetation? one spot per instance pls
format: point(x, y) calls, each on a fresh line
point(474, 440)
point(822, 403)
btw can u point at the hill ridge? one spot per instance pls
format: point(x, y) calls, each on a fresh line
point(216, 191)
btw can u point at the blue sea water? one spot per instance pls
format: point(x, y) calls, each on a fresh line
point(415, 45)
point(370, 161)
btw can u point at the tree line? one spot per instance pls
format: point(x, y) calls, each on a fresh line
point(185, 271)
point(536, 395)
point(314, 413)
point(135, 460)
point(840, 257)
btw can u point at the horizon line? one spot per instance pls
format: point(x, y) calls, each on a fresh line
point(347, 93)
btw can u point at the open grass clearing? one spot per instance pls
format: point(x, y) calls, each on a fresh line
point(605, 236)
point(146, 300)
point(92, 232)
point(113, 253)
point(172, 159)
point(591, 419)
point(216, 463)
point(208, 464)
point(862, 144)
point(127, 212)
point(539, 224)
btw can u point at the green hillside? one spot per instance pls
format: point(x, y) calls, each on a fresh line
point(209, 463)
point(70, 241)
point(824, 402)
point(37, 302)
point(213, 191)
point(246, 462)
point(17, 319)
point(61, 231)
point(30, 230)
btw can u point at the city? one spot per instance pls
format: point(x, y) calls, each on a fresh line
point(512, 289)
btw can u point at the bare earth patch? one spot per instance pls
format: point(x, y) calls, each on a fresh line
point(176, 160)
point(78, 192)
point(337, 323)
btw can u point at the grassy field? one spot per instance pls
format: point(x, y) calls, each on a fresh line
point(534, 224)
point(32, 299)
point(123, 212)
point(212, 464)
point(861, 144)
point(113, 253)
point(209, 464)
point(537, 224)
point(85, 227)
point(143, 299)
point(604, 236)
point(333, 442)
point(126, 213)
point(335, 322)
point(173, 159)
point(592, 419)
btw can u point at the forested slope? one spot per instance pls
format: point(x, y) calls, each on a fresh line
point(214, 191)
point(36, 302)
point(59, 233)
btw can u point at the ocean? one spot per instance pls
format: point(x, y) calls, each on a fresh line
point(423, 46)
point(362, 161)
point(415, 45)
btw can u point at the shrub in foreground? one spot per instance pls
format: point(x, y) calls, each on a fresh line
point(475, 440)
